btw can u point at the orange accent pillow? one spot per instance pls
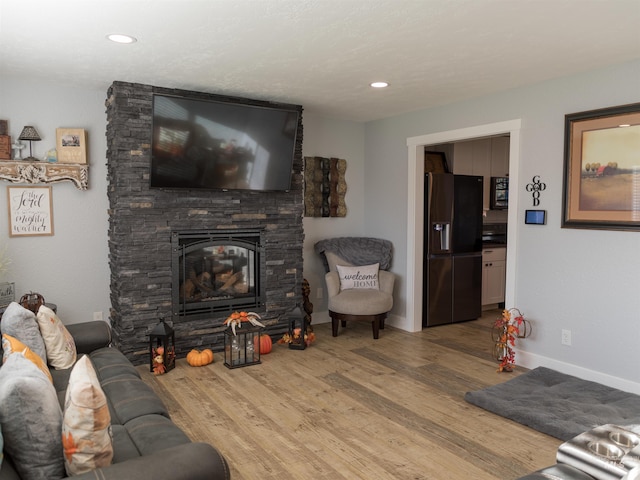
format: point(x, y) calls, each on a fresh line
point(12, 345)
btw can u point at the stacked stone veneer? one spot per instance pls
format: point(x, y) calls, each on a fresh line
point(141, 221)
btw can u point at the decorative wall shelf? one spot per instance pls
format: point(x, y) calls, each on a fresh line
point(45, 172)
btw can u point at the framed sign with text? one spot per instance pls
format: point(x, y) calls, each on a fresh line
point(30, 211)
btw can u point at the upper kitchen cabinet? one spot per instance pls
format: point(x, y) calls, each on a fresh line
point(500, 156)
point(487, 157)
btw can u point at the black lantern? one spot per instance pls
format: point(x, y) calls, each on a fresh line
point(162, 348)
point(297, 329)
point(242, 347)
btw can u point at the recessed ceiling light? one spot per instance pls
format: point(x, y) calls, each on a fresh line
point(120, 38)
point(379, 84)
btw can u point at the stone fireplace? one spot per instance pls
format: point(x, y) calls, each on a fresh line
point(243, 249)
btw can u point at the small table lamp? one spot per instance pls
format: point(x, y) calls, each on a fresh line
point(31, 134)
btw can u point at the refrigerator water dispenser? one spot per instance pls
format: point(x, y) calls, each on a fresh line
point(443, 232)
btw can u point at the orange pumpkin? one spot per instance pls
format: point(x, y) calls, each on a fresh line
point(197, 358)
point(265, 344)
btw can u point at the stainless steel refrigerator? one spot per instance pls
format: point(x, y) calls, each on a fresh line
point(452, 282)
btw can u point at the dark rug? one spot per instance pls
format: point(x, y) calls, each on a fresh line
point(557, 404)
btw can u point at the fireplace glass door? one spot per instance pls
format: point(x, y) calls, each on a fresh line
point(216, 272)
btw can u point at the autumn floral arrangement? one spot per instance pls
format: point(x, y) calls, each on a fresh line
point(236, 319)
point(159, 365)
point(296, 337)
point(506, 329)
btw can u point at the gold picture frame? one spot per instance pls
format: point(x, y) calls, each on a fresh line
point(30, 211)
point(71, 145)
point(602, 169)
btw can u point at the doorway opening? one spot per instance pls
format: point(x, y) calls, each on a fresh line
point(415, 208)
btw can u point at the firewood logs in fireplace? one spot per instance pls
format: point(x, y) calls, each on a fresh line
point(196, 285)
point(222, 281)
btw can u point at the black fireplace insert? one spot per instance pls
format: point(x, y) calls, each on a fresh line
point(216, 271)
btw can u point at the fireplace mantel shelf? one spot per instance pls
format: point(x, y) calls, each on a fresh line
point(44, 172)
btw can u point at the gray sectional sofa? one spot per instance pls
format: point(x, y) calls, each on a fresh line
point(146, 443)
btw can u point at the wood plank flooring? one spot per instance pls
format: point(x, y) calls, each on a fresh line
point(352, 407)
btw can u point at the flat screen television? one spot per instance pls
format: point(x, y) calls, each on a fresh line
point(219, 145)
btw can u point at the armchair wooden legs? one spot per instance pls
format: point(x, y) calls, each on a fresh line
point(377, 321)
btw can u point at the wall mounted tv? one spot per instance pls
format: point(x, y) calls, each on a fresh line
point(221, 145)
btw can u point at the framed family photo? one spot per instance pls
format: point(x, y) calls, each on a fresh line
point(602, 169)
point(30, 211)
point(71, 145)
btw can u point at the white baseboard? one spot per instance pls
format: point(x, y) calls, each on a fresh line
point(531, 360)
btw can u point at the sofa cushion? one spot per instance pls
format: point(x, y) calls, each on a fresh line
point(151, 433)
point(111, 363)
point(362, 277)
point(12, 345)
point(145, 435)
point(21, 323)
point(31, 420)
point(58, 342)
point(123, 447)
point(127, 395)
point(86, 426)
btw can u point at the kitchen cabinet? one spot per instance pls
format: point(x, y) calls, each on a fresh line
point(474, 158)
point(487, 157)
point(500, 156)
point(494, 270)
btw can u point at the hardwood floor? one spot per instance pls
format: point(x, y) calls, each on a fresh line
point(352, 407)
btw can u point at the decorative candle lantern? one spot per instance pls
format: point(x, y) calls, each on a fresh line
point(162, 349)
point(297, 329)
point(242, 346)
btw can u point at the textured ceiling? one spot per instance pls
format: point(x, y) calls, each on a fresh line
point(321, 54)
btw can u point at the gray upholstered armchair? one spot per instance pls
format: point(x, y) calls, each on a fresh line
point(366, 298)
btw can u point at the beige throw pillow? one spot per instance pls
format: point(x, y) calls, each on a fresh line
point(364, 276)
point(86, 426)
point(58, 342)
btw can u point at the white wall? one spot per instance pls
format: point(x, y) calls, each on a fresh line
point(71, 267)
point(582, 280)
point(327, 137)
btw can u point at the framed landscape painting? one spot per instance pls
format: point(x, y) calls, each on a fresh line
point(602, 169)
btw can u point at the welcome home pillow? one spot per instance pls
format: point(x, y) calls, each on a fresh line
point(364, 276)
point(31, 420)
point(61, 349)
point(86, 428)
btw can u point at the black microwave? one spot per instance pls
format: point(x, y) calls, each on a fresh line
point(499, 193)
